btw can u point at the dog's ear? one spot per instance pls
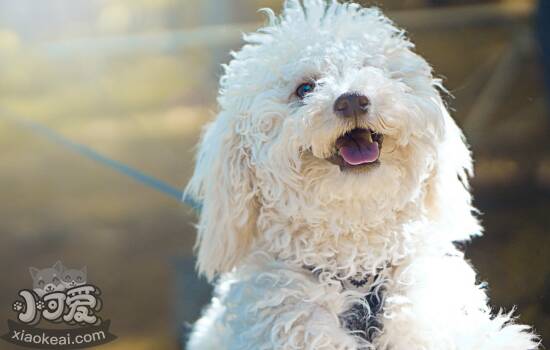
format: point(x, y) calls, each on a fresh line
point(448, 199)
point(223, 181)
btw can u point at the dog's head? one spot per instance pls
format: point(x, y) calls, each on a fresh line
point(328, 119)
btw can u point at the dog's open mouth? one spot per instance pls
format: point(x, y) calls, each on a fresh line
point(358, 148)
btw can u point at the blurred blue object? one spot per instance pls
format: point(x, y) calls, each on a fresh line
point(90, 153)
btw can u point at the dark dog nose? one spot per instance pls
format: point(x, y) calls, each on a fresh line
point(350, 105)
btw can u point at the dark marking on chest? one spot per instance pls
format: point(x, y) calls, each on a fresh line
point(363, 318)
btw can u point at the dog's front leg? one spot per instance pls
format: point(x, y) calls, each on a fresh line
point(276, 308)
point(434, 303)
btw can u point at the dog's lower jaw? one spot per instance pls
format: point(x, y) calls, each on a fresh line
point(364, 144)
point(361, 168)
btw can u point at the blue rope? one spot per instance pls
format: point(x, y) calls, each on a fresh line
point(89, 153)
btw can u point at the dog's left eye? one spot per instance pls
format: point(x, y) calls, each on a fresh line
point(305, 89)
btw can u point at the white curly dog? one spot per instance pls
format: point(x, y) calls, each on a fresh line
point(334, 185)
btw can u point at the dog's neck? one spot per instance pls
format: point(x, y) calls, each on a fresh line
point(344, 248)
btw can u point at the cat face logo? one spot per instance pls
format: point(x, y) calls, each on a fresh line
point(56, 278)
point(72, 277)
point(59, 295)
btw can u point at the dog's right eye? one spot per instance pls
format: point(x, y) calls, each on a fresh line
point(305, 89)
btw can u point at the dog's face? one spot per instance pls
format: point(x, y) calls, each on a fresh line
point(331, 96)
point(327, 117)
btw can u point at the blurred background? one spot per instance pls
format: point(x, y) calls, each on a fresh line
point(134, 80)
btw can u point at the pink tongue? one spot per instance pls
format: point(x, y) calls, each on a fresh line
point(359, 150)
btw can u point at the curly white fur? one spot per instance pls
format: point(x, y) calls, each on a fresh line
point(272, 204)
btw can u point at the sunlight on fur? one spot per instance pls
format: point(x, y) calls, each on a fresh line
point(302, 199)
